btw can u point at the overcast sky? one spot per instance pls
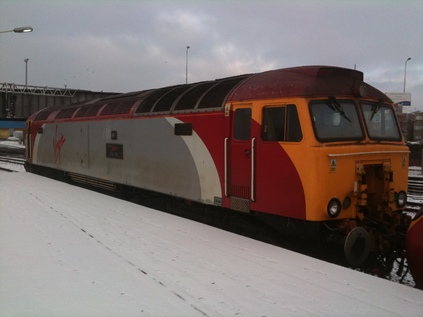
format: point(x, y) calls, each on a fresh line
point(124, 45)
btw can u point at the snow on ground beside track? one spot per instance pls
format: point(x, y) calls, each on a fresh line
point(67, 251)
point(12, 142)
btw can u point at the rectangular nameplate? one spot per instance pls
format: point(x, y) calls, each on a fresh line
point(114, 151)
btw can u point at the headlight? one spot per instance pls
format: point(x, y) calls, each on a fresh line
point(334, 207)
point(401, 198)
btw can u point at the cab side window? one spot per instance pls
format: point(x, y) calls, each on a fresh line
point(281, 124)
point(273, 126)
point(293, 127)
point(242, 124)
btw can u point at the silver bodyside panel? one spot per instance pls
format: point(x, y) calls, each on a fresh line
point(148, 155)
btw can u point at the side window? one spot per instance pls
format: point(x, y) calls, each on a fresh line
point(273, 126)
point(242, 124)
point(281, 124)
point(293, 127)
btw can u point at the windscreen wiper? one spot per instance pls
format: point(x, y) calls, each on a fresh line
point(375, 108)
point(334, 105)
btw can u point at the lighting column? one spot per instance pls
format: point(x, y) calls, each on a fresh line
point(26, 71)
point(186, 67)
point(405, 71)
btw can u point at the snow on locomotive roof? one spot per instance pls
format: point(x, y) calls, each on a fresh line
point(213, 95)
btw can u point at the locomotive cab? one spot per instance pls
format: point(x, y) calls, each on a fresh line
point(367, 166)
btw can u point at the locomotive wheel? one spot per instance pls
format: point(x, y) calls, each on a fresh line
point(357, 246)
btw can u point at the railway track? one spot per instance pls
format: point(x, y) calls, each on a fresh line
point(12, 160)
point(7, 170)
point(11, 157)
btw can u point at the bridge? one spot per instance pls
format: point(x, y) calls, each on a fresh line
point(18, 102)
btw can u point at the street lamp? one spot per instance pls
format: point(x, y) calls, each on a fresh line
point(405, 71)
point(22, 29)
point(186, 68)
point(26, 71)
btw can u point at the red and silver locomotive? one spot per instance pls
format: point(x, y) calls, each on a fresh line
point(312, 144)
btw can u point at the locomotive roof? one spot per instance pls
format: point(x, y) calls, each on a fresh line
point(213, 95)
point(305, 81)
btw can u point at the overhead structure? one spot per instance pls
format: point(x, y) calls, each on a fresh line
point(10, 88)
point(23, 100)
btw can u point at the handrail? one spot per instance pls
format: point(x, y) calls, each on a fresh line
point(253, 158)
point(225, 160)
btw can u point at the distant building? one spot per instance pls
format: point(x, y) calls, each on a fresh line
point(402, 100)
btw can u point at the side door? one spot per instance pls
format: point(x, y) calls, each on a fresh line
point(241, 159)
point(84, 143)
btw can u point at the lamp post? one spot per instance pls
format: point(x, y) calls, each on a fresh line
point(405, 71)
point(26, 71)
point(22, 29)
point(186, 67)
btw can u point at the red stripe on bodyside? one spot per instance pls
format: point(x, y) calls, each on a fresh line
point(279, 189)
point(211, 130)
point(278, 186)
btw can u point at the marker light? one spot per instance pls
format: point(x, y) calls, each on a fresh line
point(362, 91)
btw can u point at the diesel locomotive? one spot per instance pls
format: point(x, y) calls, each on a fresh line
point(312, 144)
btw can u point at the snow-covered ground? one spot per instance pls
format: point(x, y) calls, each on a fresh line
point(67, 251)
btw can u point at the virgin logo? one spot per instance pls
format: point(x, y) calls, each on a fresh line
point(58, 142)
